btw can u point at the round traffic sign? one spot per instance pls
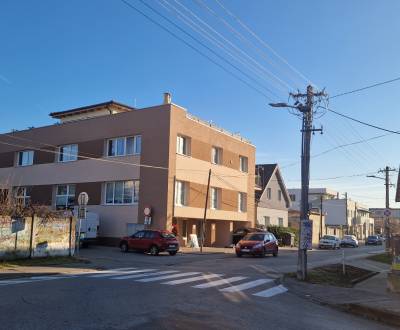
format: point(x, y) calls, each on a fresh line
point(83, 198)
point(387, 213)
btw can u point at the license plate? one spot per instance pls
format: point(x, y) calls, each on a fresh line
point(245, 250)
point(171, 246)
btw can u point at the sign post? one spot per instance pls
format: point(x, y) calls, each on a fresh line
point(83, 199)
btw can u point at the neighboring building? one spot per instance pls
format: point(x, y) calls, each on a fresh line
point(342, 215)
point(379, 220)
point(272, 200)
point(128, 159)
point(318, 222)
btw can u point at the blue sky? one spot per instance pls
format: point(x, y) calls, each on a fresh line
point(57, 55)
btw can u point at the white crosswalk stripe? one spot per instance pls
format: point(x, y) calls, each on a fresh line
point(271, 291)
point(127, 277)
point(165, 277)
point(113, 272)
point(192, 279)
point(245, 286)
point(219, 282)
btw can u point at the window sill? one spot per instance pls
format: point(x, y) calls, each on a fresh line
point(126, 155)
point(121, 204)
point(178, 153)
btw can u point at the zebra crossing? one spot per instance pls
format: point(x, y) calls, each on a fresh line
point(197, 280)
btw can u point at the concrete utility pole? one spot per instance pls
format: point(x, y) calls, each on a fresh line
point(203, 223)
point(386, 170)
point(307, 118)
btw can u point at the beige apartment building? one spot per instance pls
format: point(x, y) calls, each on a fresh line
point(135, 164)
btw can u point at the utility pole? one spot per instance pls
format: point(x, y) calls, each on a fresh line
point(320, 215)
point(347, 214)
point(203, 223)
point(307, 113)
point(386, 170)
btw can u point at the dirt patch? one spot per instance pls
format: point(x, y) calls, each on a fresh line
point(333, 275)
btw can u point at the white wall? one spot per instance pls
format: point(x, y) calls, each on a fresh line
point(274, 214)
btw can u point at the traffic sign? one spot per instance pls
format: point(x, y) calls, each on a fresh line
point(83, 199)
point(387, 213)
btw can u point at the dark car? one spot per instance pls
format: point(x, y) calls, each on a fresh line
point(258, 243)
point(153, 241)
point(373, 240)
point(238, 234)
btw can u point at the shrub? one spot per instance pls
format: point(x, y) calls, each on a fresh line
point(281, 232)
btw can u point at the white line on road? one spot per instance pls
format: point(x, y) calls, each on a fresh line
point(193, 279)
point(246, 285)
point(219, 282)
point(271, 292)
point(158, 278)
point(115, 273)
point(143, 275)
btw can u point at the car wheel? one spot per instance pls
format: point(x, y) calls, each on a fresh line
point(239, 255)
point(172, 253)
point(154, 250)
point(124, 247)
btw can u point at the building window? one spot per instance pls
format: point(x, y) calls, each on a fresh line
point(22, 195)
point(68, 153)
point(65, 196)
point(269, 193)
point(3, 196)
point(183, 145)
point(122, 192)
point(279, 195)
point(25, 158)
point(216, 155)
point(181, 192)
point(242, 202)
point(267, 220)
point(293, 197)
point(244, 166)
point(122, 146)
point(280, 222)
point(215, 194)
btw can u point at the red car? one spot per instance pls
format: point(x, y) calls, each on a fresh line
point(260, 244)
point(153, 241)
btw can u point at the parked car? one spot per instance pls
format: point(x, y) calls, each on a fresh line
point(257, 243)
point(238, 234)
point(373, 240)
point(152, 241)
point(329, 242)
point(349, 240)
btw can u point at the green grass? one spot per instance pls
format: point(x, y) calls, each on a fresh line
point(385, 258)
point(48, 261)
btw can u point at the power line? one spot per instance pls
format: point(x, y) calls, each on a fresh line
point(196, 49)
point(366, 87)
point(361, 122)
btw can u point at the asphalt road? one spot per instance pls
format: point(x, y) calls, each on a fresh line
point(182, 292)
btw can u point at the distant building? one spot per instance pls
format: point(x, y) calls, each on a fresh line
point(379, 218)
point(272, 200)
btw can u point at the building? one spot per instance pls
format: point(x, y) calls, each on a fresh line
point(318, 224)
point(272, 200)
point(342, 215)
point(131, 161)
point(379, 220)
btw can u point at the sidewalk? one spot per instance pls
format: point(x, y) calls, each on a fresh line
point(369, 298)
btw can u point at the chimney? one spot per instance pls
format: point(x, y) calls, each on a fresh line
point(167, 98)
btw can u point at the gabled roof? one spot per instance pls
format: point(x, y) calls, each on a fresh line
point(266, 172)
point(91, 108)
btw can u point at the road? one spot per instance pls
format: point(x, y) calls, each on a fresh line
point(186, 291)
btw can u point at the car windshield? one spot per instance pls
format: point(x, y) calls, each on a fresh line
point(372, 237)
point(254, 237)
point(329, 237)
point(347, 237)
point(165, 234)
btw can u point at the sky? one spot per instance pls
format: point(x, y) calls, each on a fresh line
point(57, 55)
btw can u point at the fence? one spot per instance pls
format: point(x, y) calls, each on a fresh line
point(27, 237)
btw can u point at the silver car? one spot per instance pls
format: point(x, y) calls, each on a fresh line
point(349, 240)
point(329, 242)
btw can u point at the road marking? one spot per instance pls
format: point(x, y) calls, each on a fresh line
point(192, 279)
point(219, 282)
point(153, 279)
point(143, 275)
point(8, 282)
point(271, 292)
point(246, 285)
point(46, 278)
point(115, 273)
